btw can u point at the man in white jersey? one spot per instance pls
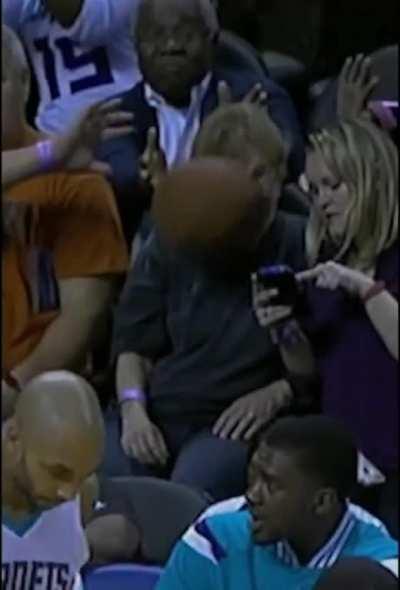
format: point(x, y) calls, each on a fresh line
point(81, 52)
point(51, 444)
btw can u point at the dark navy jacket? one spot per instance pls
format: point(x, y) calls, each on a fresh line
point(200, 330)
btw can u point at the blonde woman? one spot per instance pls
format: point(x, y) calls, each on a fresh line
point(351, 287)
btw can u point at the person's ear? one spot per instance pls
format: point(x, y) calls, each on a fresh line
point(324, 500)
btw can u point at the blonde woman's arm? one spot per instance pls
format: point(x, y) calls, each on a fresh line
point(380, 305)
point(383, 311)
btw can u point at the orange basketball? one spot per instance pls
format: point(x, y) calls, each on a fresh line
point(207, 203)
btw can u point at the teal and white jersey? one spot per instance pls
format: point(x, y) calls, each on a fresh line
point(218, 553)
point(46, 551)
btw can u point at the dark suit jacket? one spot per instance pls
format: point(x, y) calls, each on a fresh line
point(123, 154)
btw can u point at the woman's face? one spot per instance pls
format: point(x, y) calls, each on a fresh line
point(328, 193)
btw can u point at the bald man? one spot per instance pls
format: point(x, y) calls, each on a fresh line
point(52, 443)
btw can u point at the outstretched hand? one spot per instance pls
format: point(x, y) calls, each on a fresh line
point(75, 150)
point(332, 275)
point(355, 86)
point(153, 162)
point(257, 95)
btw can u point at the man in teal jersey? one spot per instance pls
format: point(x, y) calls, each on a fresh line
point(296, 521)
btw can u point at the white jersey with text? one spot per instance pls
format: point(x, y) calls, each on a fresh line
point(46, 551)
point(92, 60)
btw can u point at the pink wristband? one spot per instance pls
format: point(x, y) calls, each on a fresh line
point(134, 394)
point(45, 152)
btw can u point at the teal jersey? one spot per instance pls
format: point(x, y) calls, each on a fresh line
point(218, 553)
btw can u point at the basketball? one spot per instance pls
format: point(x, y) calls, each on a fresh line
point(206, 204)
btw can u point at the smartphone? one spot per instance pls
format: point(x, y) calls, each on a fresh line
point(283, 279)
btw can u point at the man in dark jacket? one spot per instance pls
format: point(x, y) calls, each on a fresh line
point(186, 76)
point(217, 377)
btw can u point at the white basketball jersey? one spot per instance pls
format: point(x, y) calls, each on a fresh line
point(93, 60)
point(46, 553)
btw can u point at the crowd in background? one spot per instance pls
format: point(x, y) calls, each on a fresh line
point(208, 381)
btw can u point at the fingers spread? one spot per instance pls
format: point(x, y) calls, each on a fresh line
point(115, 132)
point(252, 430)
point(244, 423)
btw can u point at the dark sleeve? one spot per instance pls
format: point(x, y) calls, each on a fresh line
point(140, 317)
point(123, 155)
point(283, 113)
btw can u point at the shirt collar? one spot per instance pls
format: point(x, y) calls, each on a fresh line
point(329, 553)
point(197, 94)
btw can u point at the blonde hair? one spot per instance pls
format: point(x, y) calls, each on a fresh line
point(231, 130)
point(366, 160)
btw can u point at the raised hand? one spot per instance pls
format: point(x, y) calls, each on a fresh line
point(355, 85)
point(75, 150)
point(257, 95)
point(153, 162)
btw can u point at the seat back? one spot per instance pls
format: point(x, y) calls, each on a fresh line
point(122, 577)
point(234, 52)
point(163, 510)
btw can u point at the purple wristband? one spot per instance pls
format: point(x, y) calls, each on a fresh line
point(287, 334)
point(134, 394)
point(45, 152)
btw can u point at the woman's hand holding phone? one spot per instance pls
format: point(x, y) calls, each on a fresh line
point(268, 314)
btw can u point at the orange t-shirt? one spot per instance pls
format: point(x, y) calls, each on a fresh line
point(75, 220)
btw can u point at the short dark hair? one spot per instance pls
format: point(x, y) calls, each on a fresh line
point(324, 449)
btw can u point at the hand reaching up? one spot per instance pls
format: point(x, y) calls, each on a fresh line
point(257, 95)
point(103, 121)
point(153, 163)
point(355, 86)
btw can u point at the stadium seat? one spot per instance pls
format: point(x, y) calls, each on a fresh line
point(284, 69)
point(122, 577)
point(164, 510)
point(235, 52)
